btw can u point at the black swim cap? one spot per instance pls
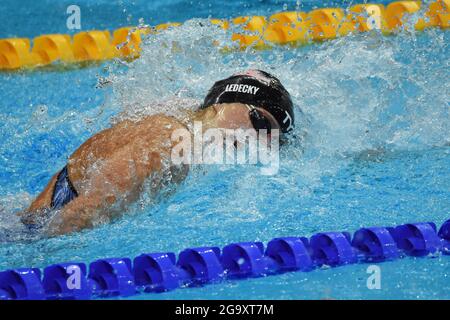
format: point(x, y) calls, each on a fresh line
point(257, 88)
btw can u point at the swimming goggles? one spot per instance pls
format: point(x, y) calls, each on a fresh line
point(259, 120)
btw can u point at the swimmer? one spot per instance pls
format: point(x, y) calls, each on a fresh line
point(107, 172)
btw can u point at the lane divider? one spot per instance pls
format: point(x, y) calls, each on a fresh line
point(159, 272)
point(279, 29)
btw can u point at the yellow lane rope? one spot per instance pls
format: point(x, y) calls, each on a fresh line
point(280, 28)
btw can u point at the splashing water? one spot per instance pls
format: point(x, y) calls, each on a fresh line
point(373, 112)
point(360, 93)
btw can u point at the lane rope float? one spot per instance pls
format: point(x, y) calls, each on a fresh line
point(160, 272)
point(258, 31)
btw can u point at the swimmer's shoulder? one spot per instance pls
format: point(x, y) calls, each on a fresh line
point(163, 122)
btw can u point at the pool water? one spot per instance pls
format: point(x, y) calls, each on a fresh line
point(376, 147)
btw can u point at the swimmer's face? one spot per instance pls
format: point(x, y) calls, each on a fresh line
point(235, 116)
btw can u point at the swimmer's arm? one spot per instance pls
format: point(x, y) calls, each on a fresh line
point(115, 185)
point(40, 205)
point(81, 213)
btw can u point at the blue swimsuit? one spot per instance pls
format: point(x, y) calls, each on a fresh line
point(64, 192)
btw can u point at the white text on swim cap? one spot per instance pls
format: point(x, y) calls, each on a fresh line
point(288, 118)
point(244, 88)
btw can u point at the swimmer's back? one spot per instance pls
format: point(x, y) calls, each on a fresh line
point(118, 158)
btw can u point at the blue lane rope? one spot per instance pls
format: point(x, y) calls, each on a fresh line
point(158, 272)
